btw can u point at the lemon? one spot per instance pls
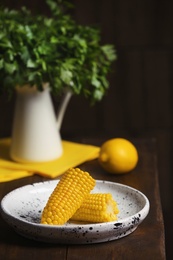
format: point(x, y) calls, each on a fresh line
point(118, 155)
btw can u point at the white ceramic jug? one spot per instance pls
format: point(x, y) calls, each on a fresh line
point(35, 133)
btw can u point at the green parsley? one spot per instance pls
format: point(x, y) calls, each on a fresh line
point(36, 48)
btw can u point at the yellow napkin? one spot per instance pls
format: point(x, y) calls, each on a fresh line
point(73, 155)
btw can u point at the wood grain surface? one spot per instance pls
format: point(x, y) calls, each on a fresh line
point(146, 242)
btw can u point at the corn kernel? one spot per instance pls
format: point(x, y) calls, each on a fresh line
point(97, 207)
point(67, 197)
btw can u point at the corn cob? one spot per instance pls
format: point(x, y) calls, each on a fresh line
point(67, 197)
point(97, 207)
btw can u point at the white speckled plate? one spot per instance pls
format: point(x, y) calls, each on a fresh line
point(22, 209)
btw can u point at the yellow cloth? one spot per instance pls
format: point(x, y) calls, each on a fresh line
point(73, 155)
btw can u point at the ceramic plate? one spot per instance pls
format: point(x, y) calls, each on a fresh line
point(22, 209)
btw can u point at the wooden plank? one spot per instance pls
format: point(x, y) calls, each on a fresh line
point(157, 71)
point(124, 104)
point(6, 115)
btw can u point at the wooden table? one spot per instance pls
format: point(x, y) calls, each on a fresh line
point(146, 242)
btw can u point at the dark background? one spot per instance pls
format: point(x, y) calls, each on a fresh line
point(138, 103)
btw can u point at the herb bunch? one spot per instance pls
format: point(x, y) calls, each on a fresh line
point(37, 48)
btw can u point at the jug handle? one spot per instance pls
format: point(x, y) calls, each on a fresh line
point(62, 107)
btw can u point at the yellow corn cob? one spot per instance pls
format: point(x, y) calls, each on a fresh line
point(67, 197)
point(97, 207)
